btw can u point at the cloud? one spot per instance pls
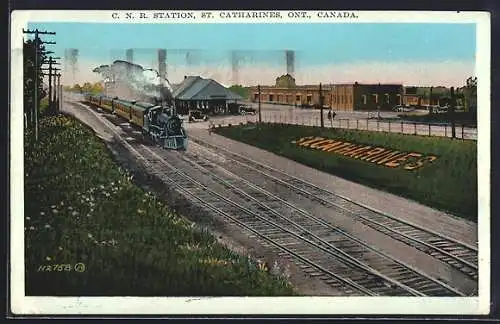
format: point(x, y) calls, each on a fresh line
point(446, 73)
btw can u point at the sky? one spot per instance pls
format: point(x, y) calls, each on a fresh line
point(411, 54)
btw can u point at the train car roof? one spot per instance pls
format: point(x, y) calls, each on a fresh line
point(124, 102)
point(144, 104)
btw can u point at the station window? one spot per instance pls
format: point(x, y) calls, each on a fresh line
point(256, 96)
point(271, 97)
point(387, 98)
point(364, 99)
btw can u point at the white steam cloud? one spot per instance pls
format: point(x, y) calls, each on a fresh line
point(131, 81)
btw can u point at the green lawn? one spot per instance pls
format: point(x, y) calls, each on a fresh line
point(449, 183)
point(82, 208)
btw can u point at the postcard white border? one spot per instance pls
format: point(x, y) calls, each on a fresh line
point(249, 305)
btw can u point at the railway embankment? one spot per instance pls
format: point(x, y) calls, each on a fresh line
point(438, 172)
point(90, 230)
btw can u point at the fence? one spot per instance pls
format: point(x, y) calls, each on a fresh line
point(462, 131)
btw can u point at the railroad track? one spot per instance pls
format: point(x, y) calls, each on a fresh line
point(461, 256)
point(316, 250)
point(323, 233)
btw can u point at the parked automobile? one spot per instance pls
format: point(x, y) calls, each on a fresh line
point(401, 108)
point(234, 108)
point(434, 109)
point(443, 109)
point(196, 116)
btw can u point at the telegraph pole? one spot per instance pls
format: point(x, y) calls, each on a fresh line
point(53, 72)
point(51, 62)
point(37, 42)
point(430, 102)
point(56, 89)
point(59, 92)
point(260, 115)
point(321, 106)
point(377, 102)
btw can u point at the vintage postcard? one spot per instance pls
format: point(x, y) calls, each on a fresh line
point(250, 162)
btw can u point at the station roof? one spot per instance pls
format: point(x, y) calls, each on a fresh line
point(198, 88)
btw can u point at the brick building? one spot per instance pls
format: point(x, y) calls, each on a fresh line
point(359, 96)
point(346, 97)
point(286, 92)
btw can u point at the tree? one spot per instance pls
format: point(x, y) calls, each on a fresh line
point(470, 95)
point(240, 90)
point(77, 88)
point(87, 87)
point(97, 88)
point(29, 82)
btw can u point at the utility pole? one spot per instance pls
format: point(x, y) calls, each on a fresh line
point(377, 101)
point(56, 88)
point(321, 106)
point(52, 86)
point(59, 93)
point(452, 112)
point(52, 61)
point(37, 41)
point(260, 115)
point(430, 101)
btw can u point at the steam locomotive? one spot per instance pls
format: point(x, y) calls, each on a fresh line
point(157, 123)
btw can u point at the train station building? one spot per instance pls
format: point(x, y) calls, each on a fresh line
point(346, 97)
point(207, 95)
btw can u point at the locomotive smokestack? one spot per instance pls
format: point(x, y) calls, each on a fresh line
point(290, 62)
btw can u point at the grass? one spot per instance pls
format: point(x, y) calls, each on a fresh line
point(83, 208)
point(44, 104)
point(449, 183)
